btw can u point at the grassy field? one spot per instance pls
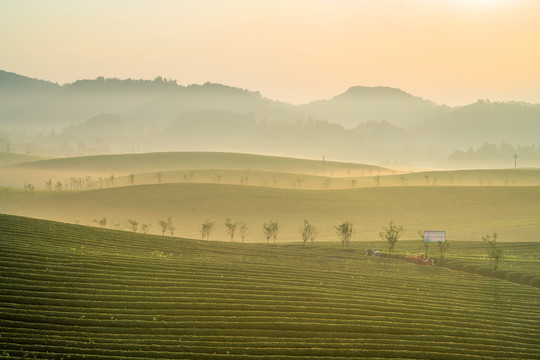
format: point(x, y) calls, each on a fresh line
point(466, 213)
point(91, 172)
point(103, 166)
point(68, 291)
point(7, 159)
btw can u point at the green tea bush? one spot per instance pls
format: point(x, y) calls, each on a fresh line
point(470, 267)
point(535, 281)
point(526, 279)
point(513, 276)
point(500, 274)
point(484, 271)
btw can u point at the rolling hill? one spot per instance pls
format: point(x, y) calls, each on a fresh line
point(466, 213)
point(103, 166)
point(361, 104)
point(76, 292)
point(363, 124)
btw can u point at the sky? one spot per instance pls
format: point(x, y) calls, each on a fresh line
point(453, 52)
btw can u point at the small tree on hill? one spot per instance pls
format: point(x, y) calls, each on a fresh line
point(166, 226)
point(391, 234)
point(243, 230)
point(134, 225)
point(275, 229)
point(404, 180)
point(132, 179)
point(308, 232)
point(494, 252)
point(231, 228)
point(344, 232)
point(443, 248)
point(145, 228)
point(101, 222)
point(267, 230)
point(206, 229)
point(49, 184)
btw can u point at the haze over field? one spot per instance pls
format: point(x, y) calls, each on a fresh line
point(391, 83)
point(303, 179)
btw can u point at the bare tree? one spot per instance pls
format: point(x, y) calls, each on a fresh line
point(267, 229)
point(206, 229)
point(243, 230)
point(145, 228)
point(308, 232)
point(344, 232)
point(132, 179)
point(166, 226)
point(101, 222)
point(494, 252)
point(326, 183)
point(404, 180)
point(443, 248)
point(391, 234)
point(28, 188)
point(377, 180)
point(48, 184)
point(188, 176)
point(134, 225)
point(231, 228)
point(158, 177)
point(275, 229)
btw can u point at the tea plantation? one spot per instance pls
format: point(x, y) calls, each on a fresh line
point(74, 292)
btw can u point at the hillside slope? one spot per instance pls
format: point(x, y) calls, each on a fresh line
point(466, 213)
point(75, 292)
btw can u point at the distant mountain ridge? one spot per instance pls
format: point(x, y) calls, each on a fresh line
point(362, 124)
point(359, 104)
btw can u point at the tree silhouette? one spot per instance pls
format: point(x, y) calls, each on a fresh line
point(391, 234)
point(231, 228)
point(344, 232)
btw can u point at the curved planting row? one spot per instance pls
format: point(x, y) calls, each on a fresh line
point(517, 277)
point(76, 292)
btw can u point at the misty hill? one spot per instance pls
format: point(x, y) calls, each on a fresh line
point(364, 124)
point(360, 104)
point(11, 159)
point(484, 121)
point(52, 106)
point(137, 163)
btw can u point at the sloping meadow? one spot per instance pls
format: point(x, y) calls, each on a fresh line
point(76, 292)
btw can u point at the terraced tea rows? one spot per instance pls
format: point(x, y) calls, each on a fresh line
point(75, 292)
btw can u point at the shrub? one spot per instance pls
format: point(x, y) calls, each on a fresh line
point(535, 281)
point(513, 276)
point(470, 267)
point(500, 274)
point(525, 279)
point(484, 271)
point(456, 265)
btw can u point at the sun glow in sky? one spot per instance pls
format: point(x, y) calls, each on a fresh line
point(449, 51)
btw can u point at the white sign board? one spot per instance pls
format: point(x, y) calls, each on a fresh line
point(434, 236)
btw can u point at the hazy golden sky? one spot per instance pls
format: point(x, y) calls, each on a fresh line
point(450, 51)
